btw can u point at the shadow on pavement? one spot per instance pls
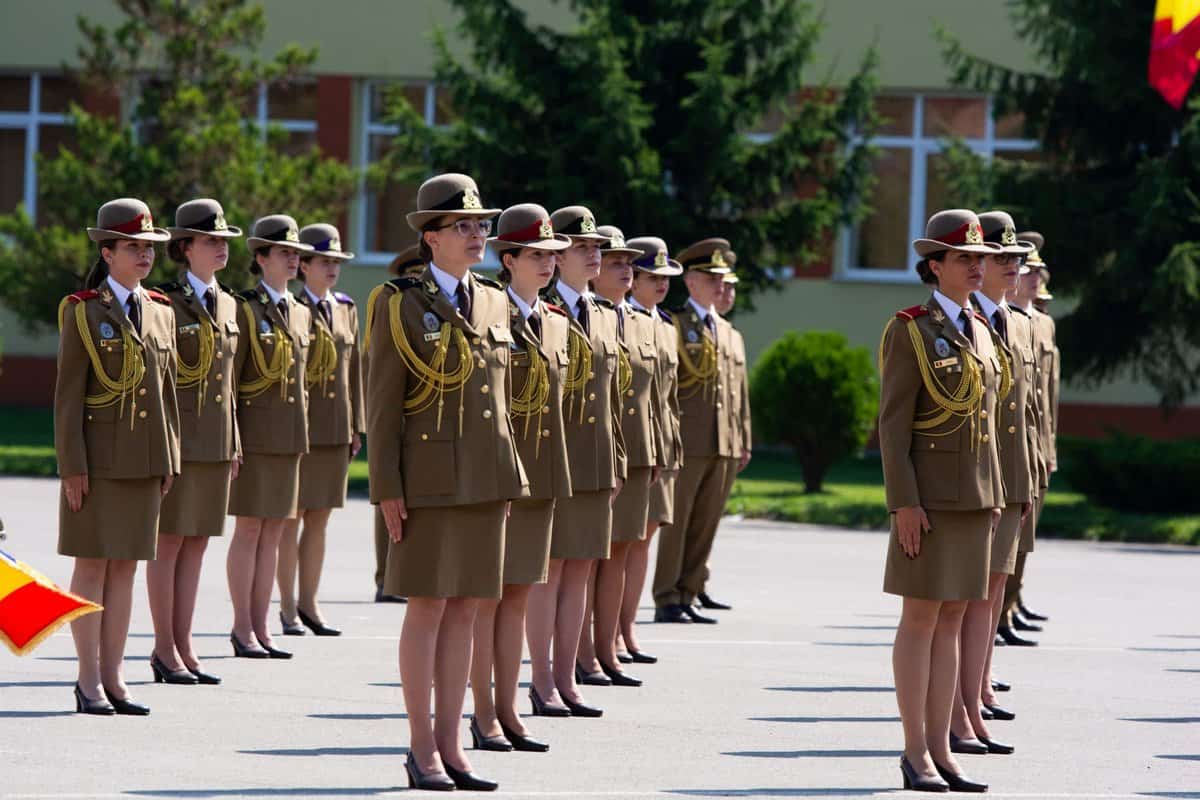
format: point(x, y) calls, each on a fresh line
point(309, 752)
point(853, 644)
point(824, 719)
point(814, 753)
point(830, 689)
point(775, 792)
point(1167, 720)
point(1165, 649)
point(34, 684)
point(1176, 669)
point(34, 714)
point(298, 791)
point(860, 627)
point(1181, 756)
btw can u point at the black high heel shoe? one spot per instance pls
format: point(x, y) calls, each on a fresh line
point(127, 707)
point(641, 657)
point(290, 628)
point(970, 747)
point(86, 705)
point(543, 709)
point(999, 713)
point(434, 782)
point(319, 628)
point(523, 744)
point(498, 744)
point(590, 678)
point(275, 652)
point(242, 651)
point(916, 783)
point(617, 677)
point(960, 782)
point(163, 675)
point(205, 678)
point(581, 709)
point(997, 748)
point(469, 781)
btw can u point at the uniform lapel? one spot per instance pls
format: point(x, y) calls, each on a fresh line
point(315, 310)
point(949, 327)
point(444, 307)
point(196, 306)
point(272, 313)
point(116, 313)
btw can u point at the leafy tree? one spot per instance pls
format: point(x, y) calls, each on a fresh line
point(1115, 192)
point(191, 68)
point(816, 394)
point(642, 112)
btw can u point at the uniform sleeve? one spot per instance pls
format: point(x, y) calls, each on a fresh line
point(69, 389)
point(658, 422)
point(614, 402)
point(171, 402)
point(1055, 378)
point(386, 390)
point(358, 422)
point(747, 441)
point(900, 383)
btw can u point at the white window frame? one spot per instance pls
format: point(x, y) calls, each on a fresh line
point(263, 119)
point(920, 148)
point(31, 121)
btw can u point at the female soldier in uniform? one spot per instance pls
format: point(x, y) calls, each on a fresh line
point(939, 377)
point(527, 248)
point(335, 425)
point(273, 423)
point(651, 281)
point(596, 452)
point(206, 333)
point(116, 435)
point(443, 463)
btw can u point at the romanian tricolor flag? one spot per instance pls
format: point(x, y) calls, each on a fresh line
point(32, 607)
point(1175, 48)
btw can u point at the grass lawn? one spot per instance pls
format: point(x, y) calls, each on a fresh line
point(770, 488)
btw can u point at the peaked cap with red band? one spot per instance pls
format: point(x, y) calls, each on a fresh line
point(126, 218)
point(955, 229)
point(527, 226)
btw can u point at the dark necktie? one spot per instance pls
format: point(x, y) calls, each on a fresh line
point(283, 310)
point(1000, 324)
point(711, 325)
point(535, 325)
point(210, 303)
point(326, 312)
point(582, 315)
point(620, 322)
point(135, 312)
point(965, 318)
point(464, 301)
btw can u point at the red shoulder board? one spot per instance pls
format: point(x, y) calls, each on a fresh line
point(554, 308)
point(158, 296)
point(912, 313)
point(79, 297)
point(979, 315)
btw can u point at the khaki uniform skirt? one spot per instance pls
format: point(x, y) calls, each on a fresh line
point(953, 562)
point(452, 551)
point(631, 509)
point(1029, 529)
point(267, 486)
point(196, 504)
point(118, 519)
point(582, 526)
point(324, 471)
point(662, 499)
point(1005, 540)
point(527, 541)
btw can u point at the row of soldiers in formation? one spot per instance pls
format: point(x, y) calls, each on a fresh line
point(967, 422)
point(527, 439)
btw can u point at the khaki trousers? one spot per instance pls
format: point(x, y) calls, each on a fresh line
point(685, 544)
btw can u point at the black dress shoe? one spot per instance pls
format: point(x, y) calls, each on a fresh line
point(696, 616)
point(712, 605)
point(433, 782)
point(498, 744)
point(999, 713)
point(469, 781)
point(985, 714)
point(624, 658)
point(916, 783)
point(617, 677)
point(205, 678)
point(1030, 615)
point(997, 748)
point(1001, 686)
point(127, 707)
point(182, 677)
point(581, 709)
point(274, 652)
point(543, 709)
point(292, 628)
point(1011, 638)
point(523, 744)
point(998, 641)
point(380, 597)
point(319, 628)
point(642, 657)
point(86, 705)
point(960, 782)
point(242, 651)
point(590, 678)
point(1019, 623)
point(970, 747)
point(671, 613)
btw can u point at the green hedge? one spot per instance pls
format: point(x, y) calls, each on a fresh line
point(1134, 473)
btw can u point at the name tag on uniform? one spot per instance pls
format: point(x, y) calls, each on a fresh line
point(500, 333)
point(186, 330)
point(946, 362)
point(433, 336)
point(110, 342)
point(231, 326)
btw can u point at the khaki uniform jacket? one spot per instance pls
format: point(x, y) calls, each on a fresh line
point(595, 442)
point(137, 435)
point(335, 407)
point(705, 423)
point(1017, 432)
point(668, 388)
point(1046, 350)
point(207, 410)
point(541, 436)
point(738, 387)
point(272, 419)
point(414, 455)
point(641, 417)
point(954, 466)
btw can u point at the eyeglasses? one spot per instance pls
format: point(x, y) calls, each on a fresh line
point(469, 227)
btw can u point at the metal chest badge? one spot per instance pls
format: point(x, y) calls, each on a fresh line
point(941, 347)
point(692, 336)
point(431, 321)
point(106, 331)
point(264, 326)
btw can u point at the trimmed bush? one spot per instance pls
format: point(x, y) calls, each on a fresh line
point(817, 395)
point(1134, 473)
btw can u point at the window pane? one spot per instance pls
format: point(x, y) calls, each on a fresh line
point(14, 93)
point(881, 240)
point(955, 116)
point(293, 101)
point(58, 92)
point(895, 115)
point(413, 92)
point(937, 194)
point(299, 143)
point(1011, 126)
point(387, 231)
point(443, 112)
point(12, 168)
point(52, 137)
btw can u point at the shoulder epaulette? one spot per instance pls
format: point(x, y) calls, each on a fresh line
point(912, 313)
point(403, 283)
point(637, 310)
point(169, 286)
point(982, 317)
point(342, 297)
point(158, 297)
point(248, 294)
point(225, 289)
point(554, 308)
point(602, 302)
point(666, 315)
point(489, 282)
point(79, 297)
point(1019, 310)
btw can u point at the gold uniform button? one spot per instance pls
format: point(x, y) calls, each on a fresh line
point(487, 413)
point(632, 411)
point(545, 434)
point(219, 354)
point(484, 389)
point(218, 398)
point(986, 437)
point(545, 409)
point(481, 363)
point(1012, 428)
point(592, 396)
point(932, 446)
point(591, 375)
point(629, 393)
point(1012, 406)
point(591, 420)
point(218, 376)
point(329, 378)
point(89, 416)
point(718, 404)
point(247, 402)
point(291, 380)
point(142, 391)
point(424, 437)
point(291, 399)
point(983, 414)
point(1039, 391)
point(477, 340)
point(332, 395)
point(141, 415)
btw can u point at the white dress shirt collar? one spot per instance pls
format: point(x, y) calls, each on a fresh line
point(633, 302)
point(199, 286)
point(318, 300)
point(987, 306)
point(525, 309)
point(274, 295)
point(571, 297)
point(701, 310)
point(447, 282)
point(953, 310)
point(120, 292)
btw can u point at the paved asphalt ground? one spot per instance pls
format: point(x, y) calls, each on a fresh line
point(789, 696)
